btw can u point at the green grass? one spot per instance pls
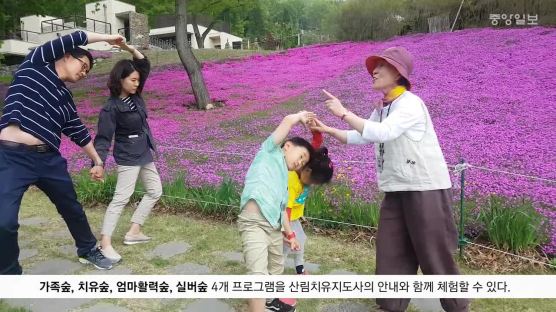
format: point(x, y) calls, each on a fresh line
point(342, 208)
point(512, 226)
point(4, 307)
point(93, 192)
point(247, 128)
point(239, 123)
point(207, 238)
point(294, 104)
point(162, 58)
point(201, 199)
point(6, 79)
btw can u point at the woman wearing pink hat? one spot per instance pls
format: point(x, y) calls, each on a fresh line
point(416, 227)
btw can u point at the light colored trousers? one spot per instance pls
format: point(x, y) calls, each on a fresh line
point(262, 244)
point(127, 177)
point(301, 238)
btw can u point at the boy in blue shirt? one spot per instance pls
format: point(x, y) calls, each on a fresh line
point(264, 199)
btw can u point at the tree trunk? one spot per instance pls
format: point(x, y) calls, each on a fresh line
point(206, 32)
point(190, 63)
point(200, 40)
point(198, 36)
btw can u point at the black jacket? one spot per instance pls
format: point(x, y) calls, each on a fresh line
point(133, 140)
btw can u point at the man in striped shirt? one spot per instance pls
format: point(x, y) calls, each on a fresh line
point(38, 109)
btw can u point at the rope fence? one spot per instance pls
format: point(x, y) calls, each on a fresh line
point(458, 169)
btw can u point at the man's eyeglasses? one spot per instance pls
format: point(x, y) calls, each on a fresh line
point(84, 65)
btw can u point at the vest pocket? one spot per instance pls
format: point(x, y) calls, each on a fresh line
point(131, 147)
point(413, 170)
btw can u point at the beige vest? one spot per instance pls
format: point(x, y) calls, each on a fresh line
point(411, 165)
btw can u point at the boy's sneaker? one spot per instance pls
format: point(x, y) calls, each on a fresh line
point(278, 305)
point(132, 239)
point(111, 254)
point(96, 258)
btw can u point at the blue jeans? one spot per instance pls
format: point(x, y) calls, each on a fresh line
point(21, 168)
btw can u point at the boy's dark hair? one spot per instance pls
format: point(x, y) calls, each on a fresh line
point(297, 141)
point(121, 70)
point(321, 166)
point(79, 52)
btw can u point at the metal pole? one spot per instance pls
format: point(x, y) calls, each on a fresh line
point(462, 241)
point(457, 15)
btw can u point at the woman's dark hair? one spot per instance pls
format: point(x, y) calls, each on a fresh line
point(79, 52)
point(402, 81)
point(321, 166)
point(121, 70)
point(297, 141)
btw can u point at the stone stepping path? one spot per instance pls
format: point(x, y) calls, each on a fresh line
point(33, 221)
point(55, 266)
point(60, 234)
point(169, 250)
point(233, 256)
point(68, 250)
point(189, 269)
point(427, 304)
point(105, 307)
point(310, 267)
point(48, 305)
point(348, 307)
point(27, 253)
point(24, 242)
point(212, 305)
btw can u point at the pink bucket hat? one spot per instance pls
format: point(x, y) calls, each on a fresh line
point(397, 57)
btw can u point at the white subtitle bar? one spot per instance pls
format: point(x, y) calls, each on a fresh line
point(288, 286)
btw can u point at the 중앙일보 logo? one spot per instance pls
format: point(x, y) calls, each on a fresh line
point(510, 19)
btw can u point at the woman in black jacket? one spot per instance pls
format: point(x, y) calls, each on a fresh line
point(124, 118)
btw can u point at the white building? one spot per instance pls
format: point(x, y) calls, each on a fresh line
point(105, 17)
point(214, 40)
point(114, 13)
point(36, 30)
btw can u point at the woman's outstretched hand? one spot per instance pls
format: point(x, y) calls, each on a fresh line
point(334, 105)
point(319, 126)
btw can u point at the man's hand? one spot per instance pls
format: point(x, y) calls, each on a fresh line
point(97, 173)
point(114, 39)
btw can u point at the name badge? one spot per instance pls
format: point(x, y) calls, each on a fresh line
point(133, 136)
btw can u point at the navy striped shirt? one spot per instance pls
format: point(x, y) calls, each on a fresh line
point(39, 102)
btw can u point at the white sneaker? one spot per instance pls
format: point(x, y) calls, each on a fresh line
point(132, 239)
point(111, 254)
